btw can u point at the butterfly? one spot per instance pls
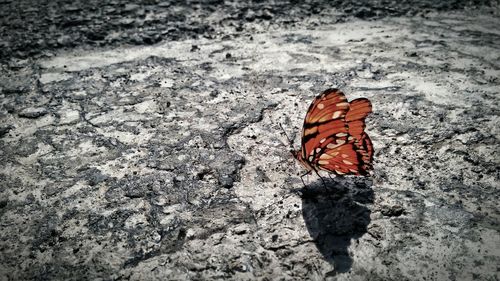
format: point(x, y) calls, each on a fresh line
point(333, 136)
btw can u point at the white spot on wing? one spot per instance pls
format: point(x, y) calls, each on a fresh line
point(325, 156)
point(321, 106)
point(336, 114)
point(347, 162)
point(332, 146)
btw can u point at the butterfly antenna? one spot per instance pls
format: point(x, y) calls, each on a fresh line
point(290, 142)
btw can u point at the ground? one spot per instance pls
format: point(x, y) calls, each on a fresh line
point(143, 141)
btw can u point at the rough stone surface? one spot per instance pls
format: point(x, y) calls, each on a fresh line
point(166, 161)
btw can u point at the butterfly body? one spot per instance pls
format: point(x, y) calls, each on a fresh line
point(333, 136)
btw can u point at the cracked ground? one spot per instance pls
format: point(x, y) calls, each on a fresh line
point(143, 141)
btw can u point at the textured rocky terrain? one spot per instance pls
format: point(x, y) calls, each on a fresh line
point(142, 141)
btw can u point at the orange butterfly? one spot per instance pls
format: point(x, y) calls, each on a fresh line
point(333, 137)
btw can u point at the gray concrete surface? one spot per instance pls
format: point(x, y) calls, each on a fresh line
point(167, 162)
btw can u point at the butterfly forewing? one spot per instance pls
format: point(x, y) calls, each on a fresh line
point(323, 121)
point(333, 136)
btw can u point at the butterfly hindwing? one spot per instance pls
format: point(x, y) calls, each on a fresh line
point(355, 117)
point(364, 148)
point(341, 160)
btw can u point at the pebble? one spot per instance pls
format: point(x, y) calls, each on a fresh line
point(33, 112)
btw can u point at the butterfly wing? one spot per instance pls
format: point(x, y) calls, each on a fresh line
point(364, 148)
point(333, 137)
point(355, 117)
point(324, 122)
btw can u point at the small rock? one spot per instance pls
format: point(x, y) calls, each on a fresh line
point(79, 95)
point(69, 116)
point(226, 181)
point(126, 21)
point(33, 112)
point(250, 15)
point(131, 7)
point(94, 176)
point(109, 10)
point(240, 229)
point(265, 14)
point(376, 231)
point(50, 77)
point(136, 39)
point(392, 211)
point(31, 10)
point(150, 38)
point(17, 64)
point(72, 9)
point(261, 175)
point(15, 90)
point(164, 4)
point(5, 130)
point(64, 40)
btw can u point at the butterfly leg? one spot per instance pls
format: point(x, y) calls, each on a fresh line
point(322, 180)
point(302, 177)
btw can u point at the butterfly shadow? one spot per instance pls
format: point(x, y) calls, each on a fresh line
point(335, 213)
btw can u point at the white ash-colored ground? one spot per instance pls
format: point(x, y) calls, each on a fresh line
point(168, 162)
